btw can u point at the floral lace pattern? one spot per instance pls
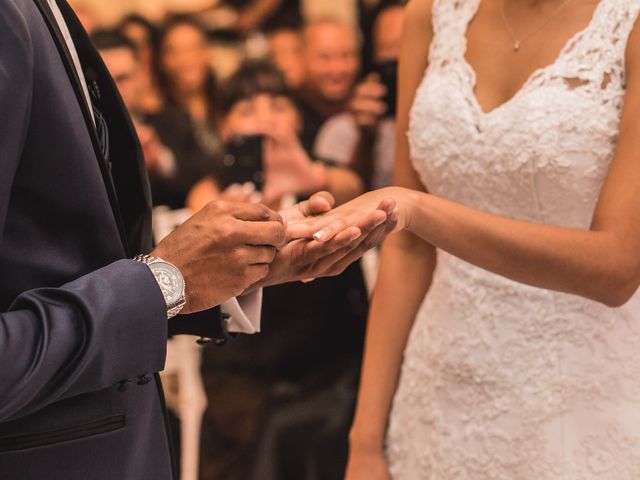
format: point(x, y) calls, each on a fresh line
point(502, 381)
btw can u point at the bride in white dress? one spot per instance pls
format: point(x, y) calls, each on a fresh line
point(504, 336)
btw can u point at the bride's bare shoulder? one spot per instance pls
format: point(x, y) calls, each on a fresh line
point(418, 15)
point(632, 54)
point(419, 10)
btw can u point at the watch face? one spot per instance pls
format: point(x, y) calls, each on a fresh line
point(169, 280)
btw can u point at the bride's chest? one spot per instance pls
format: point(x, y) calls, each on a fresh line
point(560, 111)
point(555, 136)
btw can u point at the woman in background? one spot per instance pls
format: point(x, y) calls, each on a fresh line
point(256, 100)
point(144, 35)
point(186, 123)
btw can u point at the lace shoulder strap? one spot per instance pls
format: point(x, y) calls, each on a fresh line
point(450, 19)
point(595, 56)
point(613, 22)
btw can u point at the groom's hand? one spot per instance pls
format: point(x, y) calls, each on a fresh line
point(222, 250)
point(303, 259)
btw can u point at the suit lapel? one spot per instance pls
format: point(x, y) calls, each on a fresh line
point(67, 59)
point(129, 183)
point(129, 169)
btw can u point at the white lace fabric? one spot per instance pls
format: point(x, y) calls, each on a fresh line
point(502, 381)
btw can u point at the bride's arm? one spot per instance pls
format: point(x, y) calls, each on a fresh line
point(407, 263)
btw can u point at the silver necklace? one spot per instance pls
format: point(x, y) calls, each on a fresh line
point(517, 42)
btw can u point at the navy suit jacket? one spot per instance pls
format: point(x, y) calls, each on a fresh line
point(82, 328)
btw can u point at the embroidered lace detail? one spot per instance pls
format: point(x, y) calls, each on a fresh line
point(502, 381)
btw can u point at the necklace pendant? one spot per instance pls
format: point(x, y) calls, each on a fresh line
point(516, 46)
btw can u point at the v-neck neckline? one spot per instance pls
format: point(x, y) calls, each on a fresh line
point(569, 44)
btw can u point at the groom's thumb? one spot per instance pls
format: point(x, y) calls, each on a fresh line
point(318, 204)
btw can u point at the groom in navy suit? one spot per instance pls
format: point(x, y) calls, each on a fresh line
point(83, 326)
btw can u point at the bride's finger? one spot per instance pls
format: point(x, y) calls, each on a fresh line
point(308, 226)
point(372, 220)
point(349, 234)
point(338, 263)
point(324, 227)
point(323, 255)
point(329, 231)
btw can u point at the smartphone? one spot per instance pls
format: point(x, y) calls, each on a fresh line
point(388, 72)
point(242, 161)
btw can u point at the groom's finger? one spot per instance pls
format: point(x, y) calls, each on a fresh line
point(319, 203)
point(388, 205)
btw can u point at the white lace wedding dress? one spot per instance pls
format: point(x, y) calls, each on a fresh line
point(501, 380)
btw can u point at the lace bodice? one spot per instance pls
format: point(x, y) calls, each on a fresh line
point(543, 154)
point(502, 380)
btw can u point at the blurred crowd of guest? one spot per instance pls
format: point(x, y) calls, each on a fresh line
point(320, 98)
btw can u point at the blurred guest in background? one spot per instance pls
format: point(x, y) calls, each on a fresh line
point(144, 35)
point(186, 78)
point(123, 62)
point(87, 17)
point(187, 121)
point(368, 11)
point(282, 404)
point(365, 136)
point(285, 48)
point(331, 68)
point(264, 14)
point(256, 100)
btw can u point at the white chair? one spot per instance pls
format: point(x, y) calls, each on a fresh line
point(182, 378)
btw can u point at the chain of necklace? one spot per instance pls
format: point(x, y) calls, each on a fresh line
point(517, 42)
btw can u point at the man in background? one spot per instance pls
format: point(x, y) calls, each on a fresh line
point(285, 48)
point(364, 137)
point(331, 60)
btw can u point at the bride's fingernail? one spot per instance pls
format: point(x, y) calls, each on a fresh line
point(320, 235)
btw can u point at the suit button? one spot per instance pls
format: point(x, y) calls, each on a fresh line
point(124, 385)
point(144, 379)
point(218, 342)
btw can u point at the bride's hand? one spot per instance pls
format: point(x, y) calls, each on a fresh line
point(305, 259)
point(367, 465)
point(324, 227)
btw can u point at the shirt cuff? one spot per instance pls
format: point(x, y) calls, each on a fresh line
point(244, 313)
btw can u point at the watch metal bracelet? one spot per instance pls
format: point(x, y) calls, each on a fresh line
point(169, 280)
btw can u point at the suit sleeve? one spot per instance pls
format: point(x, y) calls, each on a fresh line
point(91, 333)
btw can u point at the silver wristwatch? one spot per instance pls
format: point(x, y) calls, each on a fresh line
point(169, 280)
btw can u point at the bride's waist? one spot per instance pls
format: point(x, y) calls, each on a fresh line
point(459, 283)
point(456, 272)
